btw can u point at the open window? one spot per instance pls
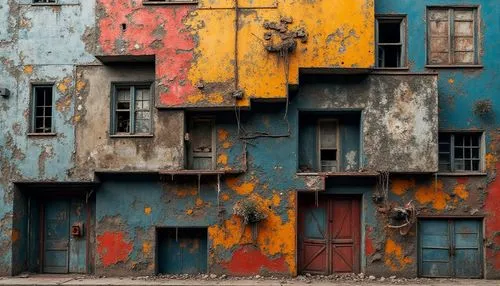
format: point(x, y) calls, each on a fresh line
point(328, 142)
point(391, 34)
point(201, 144)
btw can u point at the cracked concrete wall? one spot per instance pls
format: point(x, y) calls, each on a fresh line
point(37, 44)
point(399, 116)
point(95, 149)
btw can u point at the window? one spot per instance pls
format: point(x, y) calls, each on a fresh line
point(328, 145)
point(390, 41)
point(131, 109)
point(201, 144)
point(452, 36)
point(42, 101)
point(460, 152)
point(44, 1)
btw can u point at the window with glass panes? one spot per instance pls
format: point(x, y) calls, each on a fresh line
point(131, 109)
point(41, 121)
point(459, 152)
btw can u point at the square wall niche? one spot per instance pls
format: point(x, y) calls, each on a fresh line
point(329, 142)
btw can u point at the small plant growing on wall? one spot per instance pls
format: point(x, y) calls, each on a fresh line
point(251, 213)
point(483, 107)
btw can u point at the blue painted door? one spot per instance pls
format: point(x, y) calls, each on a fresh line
point(450, 248)
point(56, 236)
point(182, 250)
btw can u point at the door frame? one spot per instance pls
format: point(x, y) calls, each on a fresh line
point(480, 218)
point(42, 202)
point(358, 197)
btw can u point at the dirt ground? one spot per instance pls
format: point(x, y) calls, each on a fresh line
point(212, 279)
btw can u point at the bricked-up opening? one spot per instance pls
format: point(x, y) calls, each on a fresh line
point(390, 42)
point(42, 109)
point(181, 250)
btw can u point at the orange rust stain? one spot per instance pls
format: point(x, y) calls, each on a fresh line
point(63, 86)
point(147, 247)
point(222, 135)
point(147, 210)
point(394, 256)
point(451, 81)
point(225, 197)
point(433, 194)
point(226, 145)
point(28, 69)
point(222, 159)
point(400, 186)
point(199, 202)
point(276, 199)
point(461, 191)
point(15, 235)
point(189, 211)
point(242, 189)
point(112, 248)
point(184, 191)
point(232, 233)
point(491, 161)
point(80, 85)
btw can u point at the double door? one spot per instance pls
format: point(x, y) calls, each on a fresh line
point(450, 248)
point(329, 234)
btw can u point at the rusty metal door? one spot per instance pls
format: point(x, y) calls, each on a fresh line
point(329, 234)
point(56, 236)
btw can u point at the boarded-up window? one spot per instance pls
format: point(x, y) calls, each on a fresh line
point(131, 109)
point(452, 36)
point(328, 145)
point(201, 144)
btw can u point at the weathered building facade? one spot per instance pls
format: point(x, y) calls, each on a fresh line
point(249, 137)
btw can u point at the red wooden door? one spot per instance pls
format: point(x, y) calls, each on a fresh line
point(329, 234)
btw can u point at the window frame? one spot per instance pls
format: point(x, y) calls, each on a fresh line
point(190, 153)
point(403, 39)
point(482, 153)
point(56, 2)
point(132, 85)
point(32, 128)
point(476, 36)
point(318, 144)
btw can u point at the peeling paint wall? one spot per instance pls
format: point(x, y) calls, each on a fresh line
point(37, 44)
point(459, 89)
point(207, 51)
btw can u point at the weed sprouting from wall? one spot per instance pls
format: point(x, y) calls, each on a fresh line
point(483, 107)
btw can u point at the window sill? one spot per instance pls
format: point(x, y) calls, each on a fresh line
point(168, 2)
point(339, 174)
point(131, 136)
point(41, 134)
point(454, 66)
point(391, 69)
point(45, 4)
point(461, 174)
